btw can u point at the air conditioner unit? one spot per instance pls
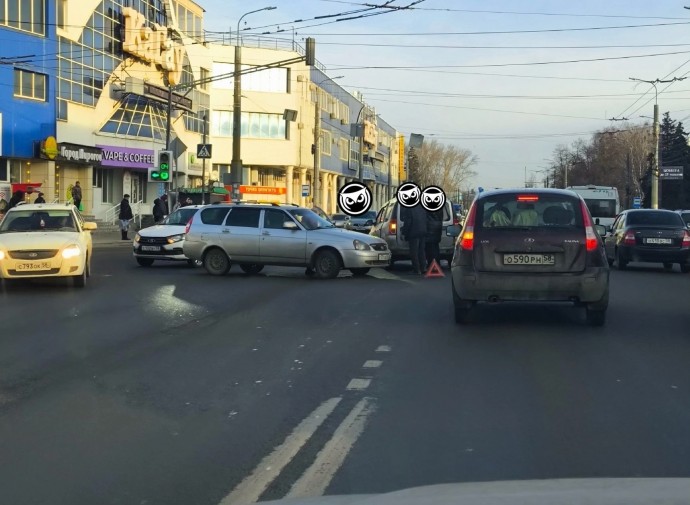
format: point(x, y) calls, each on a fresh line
point(332, 115)
point(300, 78)
point(300, 126)
point(343, 121)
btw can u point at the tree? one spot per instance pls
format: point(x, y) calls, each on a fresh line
point(446, 166)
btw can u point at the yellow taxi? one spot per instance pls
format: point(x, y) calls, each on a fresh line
point(45, 240)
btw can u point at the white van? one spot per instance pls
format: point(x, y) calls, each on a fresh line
point(602, 201)
point(388, 226)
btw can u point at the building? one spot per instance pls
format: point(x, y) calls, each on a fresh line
point(27, 98)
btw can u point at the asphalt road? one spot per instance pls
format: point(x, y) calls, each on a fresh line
point(168, 386)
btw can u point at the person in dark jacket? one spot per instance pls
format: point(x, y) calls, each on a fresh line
point(125, 216)
point(160, 209)
point(414, 231)
point(76, 195)
point(433, 237)
point(40, 199)
point(17, 198)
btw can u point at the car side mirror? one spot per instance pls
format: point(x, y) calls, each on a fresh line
point(90, 226)
point(289, 225)
point(454, 231)
point(601, 229)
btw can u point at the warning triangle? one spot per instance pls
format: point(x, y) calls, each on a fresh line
point(434, 270)
point(203, 152)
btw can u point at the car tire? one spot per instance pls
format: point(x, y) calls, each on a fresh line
point(79, 281)
point(596, 317)
point(685, 269)
point(145, 262)
point(195, 263)
point(251, 268)
point(668, 266)
point(216, 262)
point(461, 308)
point(621, 264)
point(327, 264)
point(359, 272)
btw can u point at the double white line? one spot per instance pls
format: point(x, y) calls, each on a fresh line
point(316, 478)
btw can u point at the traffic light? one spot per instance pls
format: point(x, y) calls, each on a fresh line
point(163, 167)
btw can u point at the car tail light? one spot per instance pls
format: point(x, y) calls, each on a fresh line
point(591, 239)
point(393, 227)
point(686, 239)
point(629, 238)
point(467, 237)
point(189, 226)
point(528, 198)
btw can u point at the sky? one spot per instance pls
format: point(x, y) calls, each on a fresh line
point(510, 98)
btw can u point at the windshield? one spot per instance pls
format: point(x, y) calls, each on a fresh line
point(310, 220)
point(33, 220)
point(601, 208)
point(653, 218)
point(180, 217)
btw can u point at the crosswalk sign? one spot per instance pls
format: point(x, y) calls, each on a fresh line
point(203, 151)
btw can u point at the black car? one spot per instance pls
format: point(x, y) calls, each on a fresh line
point(536, 245)
point(651, 236)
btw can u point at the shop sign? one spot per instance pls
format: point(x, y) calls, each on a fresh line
point(262, 190)
point(79, 154)
point(127, 157)
point(152, 44)
point(49, 148)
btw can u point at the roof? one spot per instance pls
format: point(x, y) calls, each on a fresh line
point(532, 191)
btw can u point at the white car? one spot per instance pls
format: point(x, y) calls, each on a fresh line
point(45, 240)
point(164, 240)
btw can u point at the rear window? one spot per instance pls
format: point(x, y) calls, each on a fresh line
point(654, 218)
point(214, 215)
point(517, 210)
point(686, 217)
point(601, 208)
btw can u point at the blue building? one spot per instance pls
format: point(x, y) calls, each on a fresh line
point(28, 59)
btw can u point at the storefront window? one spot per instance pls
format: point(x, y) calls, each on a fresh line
point(3, 170)
point(254, 125)
point(15, 171)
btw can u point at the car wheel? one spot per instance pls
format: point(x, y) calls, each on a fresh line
point(145, 262)
point(79, 281)
point(327, 264)
point(195, 263)
point(668, 266)
point(216, 262)
point(359, 272)
point(620, 262)
point(685, 268)
point(88, 266)
point(251, 268)
point(596, 317)
point(461, 308)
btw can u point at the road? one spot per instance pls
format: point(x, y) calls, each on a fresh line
point(168, 386)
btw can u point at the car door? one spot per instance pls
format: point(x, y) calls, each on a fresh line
point(617, 234)
point(279, 245)
point(241, 235)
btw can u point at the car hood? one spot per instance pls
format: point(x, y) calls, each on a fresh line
point(161, 230)
point(37, 239)
point(342, 234)
point(602, 491)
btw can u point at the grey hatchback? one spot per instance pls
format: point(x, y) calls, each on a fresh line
point(530, 245)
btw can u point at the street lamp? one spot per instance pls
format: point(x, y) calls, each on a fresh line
point(236, 162)
point(317, 139)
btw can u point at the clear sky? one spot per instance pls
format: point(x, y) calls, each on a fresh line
point(487, 92)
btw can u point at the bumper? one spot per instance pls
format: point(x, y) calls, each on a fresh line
point(53, 267)
point(590, 286)
point(365, 259)
point(655, 254)
point(172, 252)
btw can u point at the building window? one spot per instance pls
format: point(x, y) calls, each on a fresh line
point(4, 172)
point(344, 148)
point(204, 74)
point(272, 80)
point(354, 154)
point(138, 117)
point(254, 125)
point(61, 13)
point(344, 111)
point(29, 85)
point(326, 140)
point(103, 178)
point(25, 15)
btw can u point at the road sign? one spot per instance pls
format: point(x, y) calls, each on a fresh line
point(671, 172)
point(434, 270)
point(203, 151)
point(637, 202)
point(305, 189)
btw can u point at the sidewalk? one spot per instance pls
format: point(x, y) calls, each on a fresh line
point(111, 239)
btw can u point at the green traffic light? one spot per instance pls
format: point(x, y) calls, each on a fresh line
point(164, 166)
point(165, 176)
point(155, 175)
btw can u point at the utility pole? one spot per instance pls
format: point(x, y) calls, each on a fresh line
point(628, 181)
point(168, 127)
point(203, 163)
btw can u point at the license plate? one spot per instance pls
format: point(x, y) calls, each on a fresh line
point(658, 241)
point(36, 266)
point(529, 259)
point(384, 257)
point(150, 248)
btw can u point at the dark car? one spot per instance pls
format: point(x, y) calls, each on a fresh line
point(651, 236)
point(362, 223)
point(539, 246)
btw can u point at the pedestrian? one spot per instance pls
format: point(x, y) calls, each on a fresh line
point(17, 198)
point(40, 199)
point(125, 216)
point(76, 195)
point(188, 202)
point(160, 209)
point(166, 210)
point(414, 232)
point(433, 237)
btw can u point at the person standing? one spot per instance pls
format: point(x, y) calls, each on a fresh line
point(76, 195)
point(17, 198)
point(433, 237)
point(160, 209)
point(125, 216)
point(40, 199)
point(414, 232)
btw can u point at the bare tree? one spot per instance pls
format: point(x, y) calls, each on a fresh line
point(446, 166)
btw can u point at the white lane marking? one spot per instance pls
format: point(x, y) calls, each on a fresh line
point(358, 384)
point(253, 486)
point(317, 477)
point(372, 363)
point(383, 348)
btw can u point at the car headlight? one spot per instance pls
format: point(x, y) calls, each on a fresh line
point(137, 237)
point(361, 246)
point(71, 251)
point(2, 255)
point(175, 238)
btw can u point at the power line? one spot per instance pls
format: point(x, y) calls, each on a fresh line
point(439, 46)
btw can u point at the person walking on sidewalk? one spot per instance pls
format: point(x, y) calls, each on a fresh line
point(76, 195)
point(125, 216)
